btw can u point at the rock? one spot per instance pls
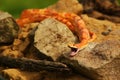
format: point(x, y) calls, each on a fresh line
point(2, 78)
point(100, 63)
point(16, 74)
point(100, 60)
point(100, 26)
point(8, 28)
point(52, 38)
point(106, 9)
point(67, 6)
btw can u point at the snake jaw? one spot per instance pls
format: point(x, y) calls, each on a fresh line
point(74, 50)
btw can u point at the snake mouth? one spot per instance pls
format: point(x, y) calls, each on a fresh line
point(74, 51)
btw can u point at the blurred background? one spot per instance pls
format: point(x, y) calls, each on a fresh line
point(119, 2)
point(15, 7)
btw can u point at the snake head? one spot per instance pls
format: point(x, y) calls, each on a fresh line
point(75, 49)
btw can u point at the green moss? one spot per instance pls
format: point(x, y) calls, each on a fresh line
point(119, 2)
point(16, 6)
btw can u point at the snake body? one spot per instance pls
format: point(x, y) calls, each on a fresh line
point(73, 21)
